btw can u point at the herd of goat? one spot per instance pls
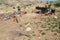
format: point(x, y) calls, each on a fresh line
point(42, 10)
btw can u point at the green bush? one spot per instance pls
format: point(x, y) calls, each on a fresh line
point(43, 33)
point(49, 5)
point(45, 39)
point(18, 7)
point(13, 7)
point(57, 4)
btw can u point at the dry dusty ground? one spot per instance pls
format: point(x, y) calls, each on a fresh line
point(36, 26)
point(42, 28)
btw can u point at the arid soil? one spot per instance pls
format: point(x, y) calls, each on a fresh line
point(30, 26)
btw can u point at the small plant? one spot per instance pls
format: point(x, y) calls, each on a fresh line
point(0, 3)
point(39, 22)
point(42, 26)
point(29, 39)
point(58, 30)
point(18, 7)
point(45, 39)
point(48, 23)
point(43, 33)
point(57, 4)
point(59, 25)
point(33, 34)
point(35, 22)
point(40, 31)
point(26, 23)
point(47, 2)
point(24, 6)
point(48, 20)
point(13, 7)
point(47, 30)
point(51, 27)
point(49, 5)
point(52, 30)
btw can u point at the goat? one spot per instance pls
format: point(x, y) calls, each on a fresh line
point(52, 11)
point(43, 9)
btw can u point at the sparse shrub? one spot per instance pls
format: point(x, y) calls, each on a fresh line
point(48, 23)
point(48, 20)
point(47, 2)
point(0, 3)
point(26, 23)
point(58, 11)
point(52, 30)
point(29, 39)
point(46, 29)
point(40, 31)
point(45, 39)
point(35, 22)
point(51, 27)
point(30, 4)
point(24, 6)
point(39, 22)
point(43, 27)
point(13, 7)
point(57, 30)
point(33, 34)
point(59, 25)
point(54, 19)
point(57, 4)
point(43, 33)
point(49, 5)
point(18, 7)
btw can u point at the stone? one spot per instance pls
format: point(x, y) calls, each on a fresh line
point(28, 29)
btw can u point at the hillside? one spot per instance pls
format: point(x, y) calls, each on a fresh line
point(26, 24)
